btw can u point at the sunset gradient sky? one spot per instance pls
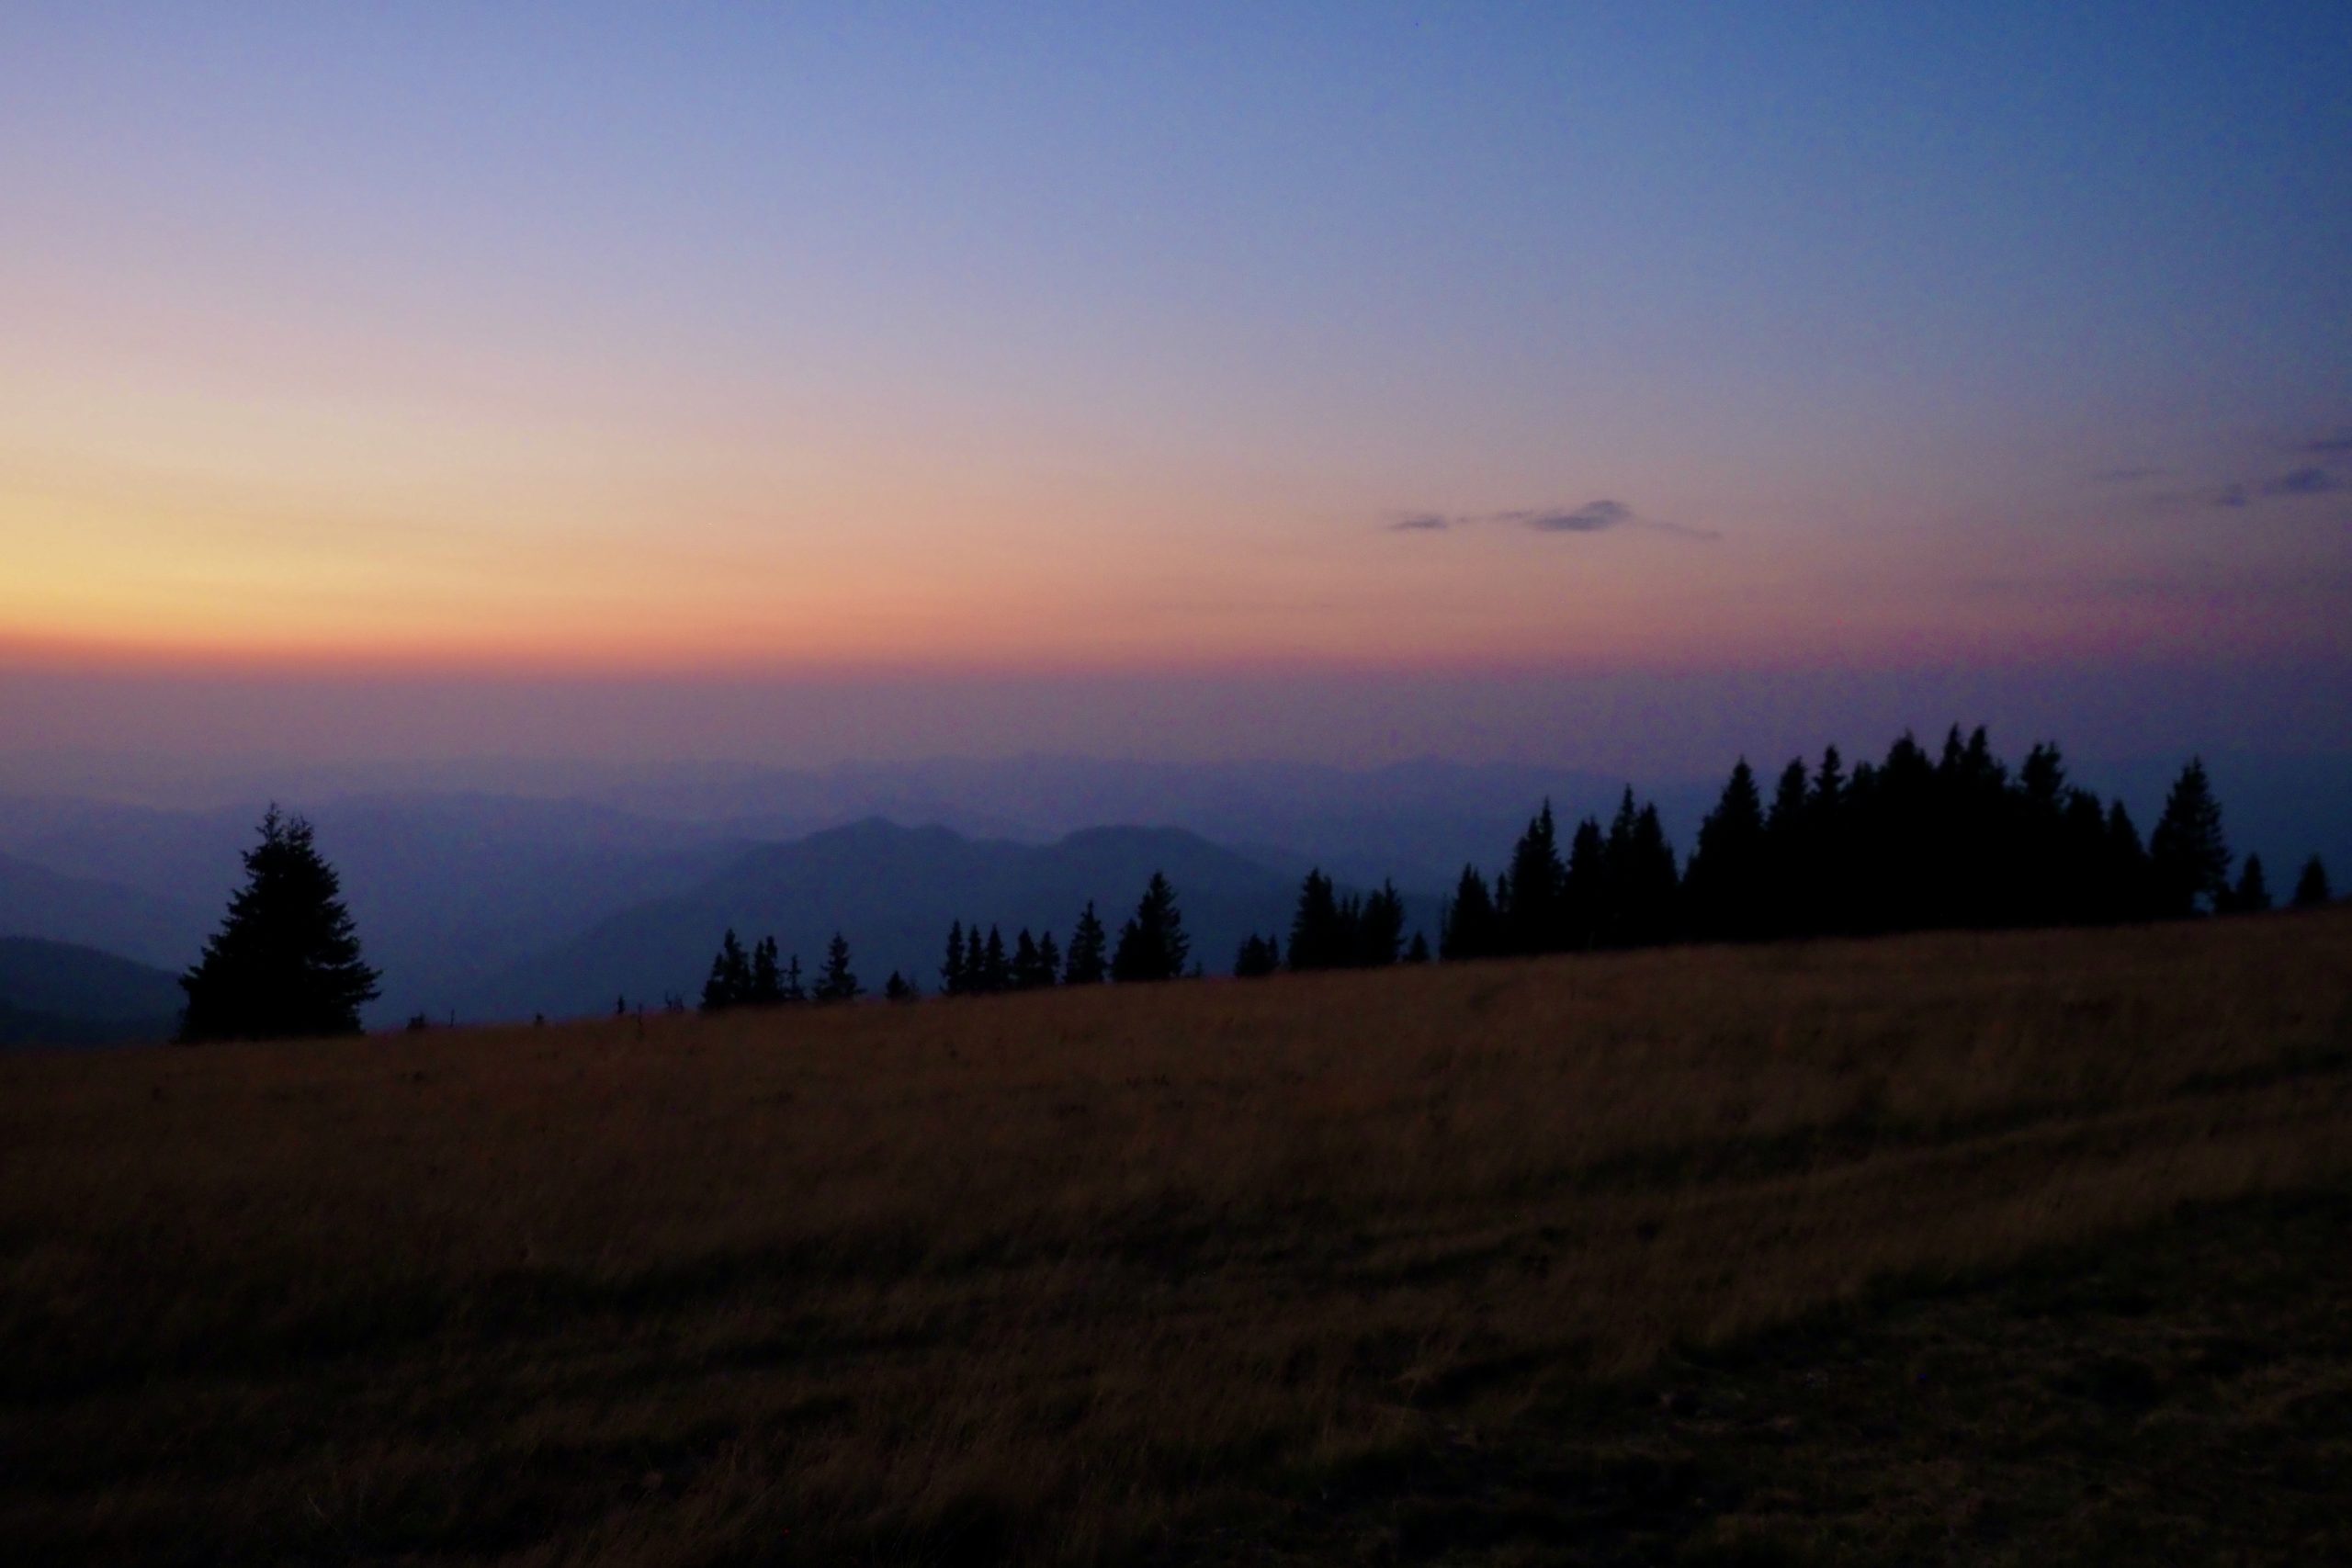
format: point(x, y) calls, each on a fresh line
point(786, 361)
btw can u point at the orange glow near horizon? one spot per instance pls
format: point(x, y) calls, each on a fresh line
point(361, 542)
point(763, 345)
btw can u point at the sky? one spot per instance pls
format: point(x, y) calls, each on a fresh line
point(804, 382)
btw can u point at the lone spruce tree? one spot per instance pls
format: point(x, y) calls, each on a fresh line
point(286, 960)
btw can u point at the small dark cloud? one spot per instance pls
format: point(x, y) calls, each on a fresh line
point(2304, 481)
point(2230, 497)
point(2336, 446)
point(1593, 517)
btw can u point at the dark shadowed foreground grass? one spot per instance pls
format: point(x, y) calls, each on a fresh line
point(2013, 1248)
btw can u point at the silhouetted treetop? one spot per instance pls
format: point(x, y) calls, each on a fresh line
point(2188, 858)
point(285, 961)
point(729, 985)
point(1089, 961)
point(837, 982)
point(1258, 957)
point(2251, 894)
point(1152, 944)
point(1467, 927)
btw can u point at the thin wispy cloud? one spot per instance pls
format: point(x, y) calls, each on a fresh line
point(1592, 517)
point(2237, 495)
point(2336, 446)
point(2304, 481)
point(1600, 516)
point(2125, 476)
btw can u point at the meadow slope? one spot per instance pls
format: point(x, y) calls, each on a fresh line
point(1215, 1272)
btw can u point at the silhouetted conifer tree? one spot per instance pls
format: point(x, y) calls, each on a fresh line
point(2188, 858)
point(2310, 889)
point(1031, 969)
point(1898, 859)
point(1152, 944)
point(2252, 894)
point(1637, 879)
point(1088, 960)
point(1616, 854)
point(1828, 792)
point(1259, 956)
point(767, 975)
point(1584, 890)
point(1726, 884)
point(1788, 843)
point(1530, 913)
point(1652, 885)
point(995, 968)
point(2128, 881)
point(898, 988)
point(1379, 933)
point(1049, 961)
point(285, 961)
point(1417, 950)
point(837, 982)
point(2072, 891)
point(1467, 929)
point(1976, 830)
point(729, 985)
point(2035, 866)
point(1318, 939)
point(955, 973)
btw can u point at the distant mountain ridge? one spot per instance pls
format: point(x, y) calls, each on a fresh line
point(154, 928)
point(456, 889)
point(893, 891)
point(56, 993)
point(445, 889)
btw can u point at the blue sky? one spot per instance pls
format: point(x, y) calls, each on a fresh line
point(812, 343)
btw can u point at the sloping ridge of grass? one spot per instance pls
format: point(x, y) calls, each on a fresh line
point(1485, 1263)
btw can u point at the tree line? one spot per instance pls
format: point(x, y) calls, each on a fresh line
point(1910, 842)
point(1152, 946)
point(756, 979)
point(1913, 842)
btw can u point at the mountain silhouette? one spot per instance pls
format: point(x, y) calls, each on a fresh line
point(151, 927)
point(446, 890)
point(57, 993)
point(893, 891)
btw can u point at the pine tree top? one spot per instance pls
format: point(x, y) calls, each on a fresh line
point(285, 961)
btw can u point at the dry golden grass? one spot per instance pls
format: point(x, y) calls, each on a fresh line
point(1061, 1277)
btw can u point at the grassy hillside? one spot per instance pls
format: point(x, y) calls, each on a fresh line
point(1966, 1248)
